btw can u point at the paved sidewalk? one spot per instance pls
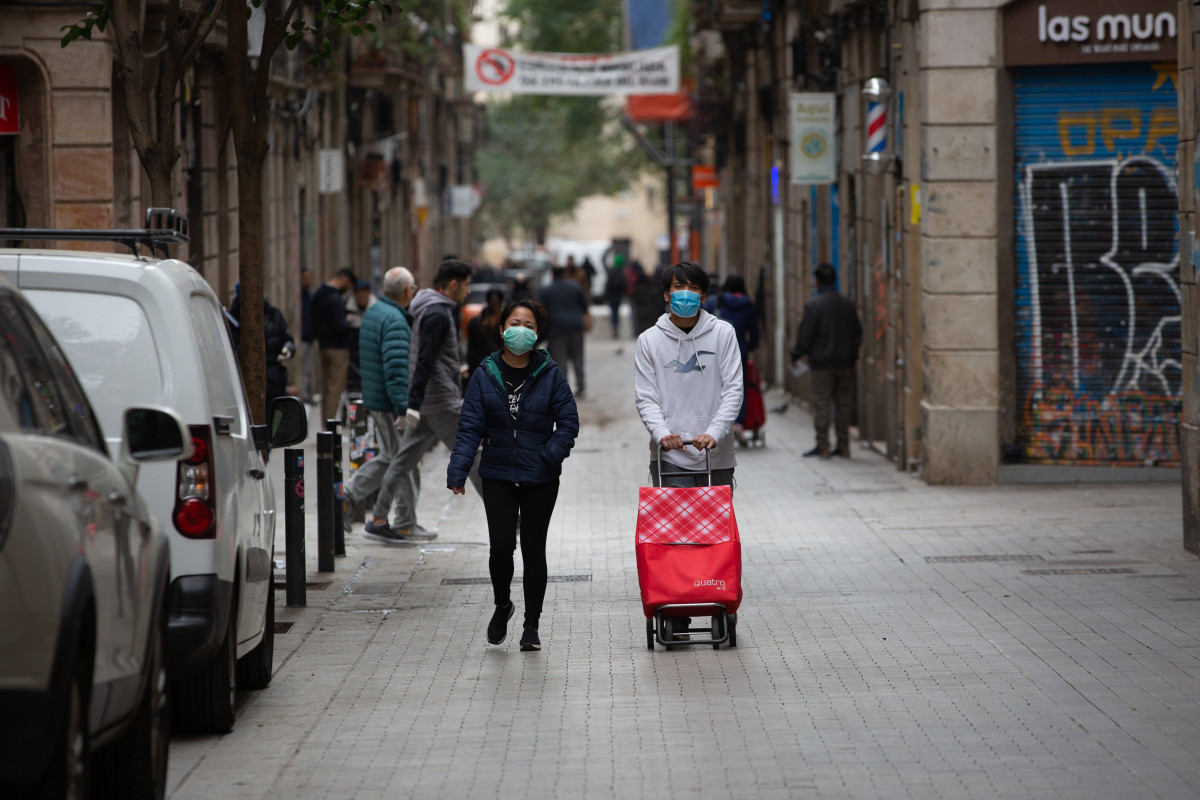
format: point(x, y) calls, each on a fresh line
point(895, 641)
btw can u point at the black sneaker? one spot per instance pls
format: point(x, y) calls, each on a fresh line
point(497, 630)
point(530, 640)
point(384, 533)
point(819, 452)
point(417, 532)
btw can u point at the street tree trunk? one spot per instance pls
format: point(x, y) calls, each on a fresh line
point(248, 115)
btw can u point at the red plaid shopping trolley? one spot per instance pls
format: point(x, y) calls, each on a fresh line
point(689, 559)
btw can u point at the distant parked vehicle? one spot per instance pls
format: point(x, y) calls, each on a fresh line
point(150, 329)
point(84, 568)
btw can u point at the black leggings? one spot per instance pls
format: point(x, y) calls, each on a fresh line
point(505, 504)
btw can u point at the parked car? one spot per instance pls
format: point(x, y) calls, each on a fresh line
point(150, 329)
point(84, 568)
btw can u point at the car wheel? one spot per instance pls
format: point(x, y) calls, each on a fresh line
point(68, 775)
point(255, 668)
point(135, 766)
point(205, 702)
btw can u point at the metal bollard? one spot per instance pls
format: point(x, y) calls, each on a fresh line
point(293, 504)
point(325, 501)
point(339, 530)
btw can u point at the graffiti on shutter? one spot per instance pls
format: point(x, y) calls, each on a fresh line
point(1098, 304)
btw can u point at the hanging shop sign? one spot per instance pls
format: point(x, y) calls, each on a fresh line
point(8, 100)
point(1047, 32)
point(812, 117)
point(496, 69)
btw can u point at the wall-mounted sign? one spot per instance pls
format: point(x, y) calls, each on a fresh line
point(704, 176)
point(1046, 32)
point(812, 117)
point(331, 172)
point(654, 71)
point(8, 101)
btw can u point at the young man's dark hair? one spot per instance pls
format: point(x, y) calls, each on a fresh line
point(685, 272)
point(452, 269)
point(734, 283)
point(826, 275)
point(348, 274)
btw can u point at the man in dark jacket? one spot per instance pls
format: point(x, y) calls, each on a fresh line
point(280, 346)
point(567, 318)
point(829, 337)
point(307, 341)
point(434, 394)
point(383, 350)
point(333, 337)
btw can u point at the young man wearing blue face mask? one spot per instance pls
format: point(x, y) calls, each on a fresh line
point(688, 381)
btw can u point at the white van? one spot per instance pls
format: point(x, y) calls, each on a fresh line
point(151, 330)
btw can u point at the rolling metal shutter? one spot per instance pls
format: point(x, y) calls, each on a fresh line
point(1098, 306)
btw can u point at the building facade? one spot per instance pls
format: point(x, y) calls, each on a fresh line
point(1014, 254)
point(363, 156)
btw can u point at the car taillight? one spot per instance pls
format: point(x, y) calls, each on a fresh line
point(195, 500)
point(193, 517)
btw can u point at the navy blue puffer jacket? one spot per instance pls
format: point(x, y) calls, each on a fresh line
point(527, 450)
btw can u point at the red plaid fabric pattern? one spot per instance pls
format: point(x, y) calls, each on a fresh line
point(703, 515)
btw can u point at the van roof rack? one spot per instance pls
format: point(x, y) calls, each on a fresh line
point(164, 226)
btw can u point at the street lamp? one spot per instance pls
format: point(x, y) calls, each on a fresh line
point(876, 91)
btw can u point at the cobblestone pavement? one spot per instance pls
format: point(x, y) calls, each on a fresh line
point(895, 640)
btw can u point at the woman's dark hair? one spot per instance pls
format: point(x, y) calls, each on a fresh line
point(685, 272)
point(537, 309)
point(495, 291)
point(734, 283)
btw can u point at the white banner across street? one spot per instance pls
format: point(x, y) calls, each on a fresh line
point(654, 71)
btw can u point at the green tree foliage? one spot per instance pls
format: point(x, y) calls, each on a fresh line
point(545, 154)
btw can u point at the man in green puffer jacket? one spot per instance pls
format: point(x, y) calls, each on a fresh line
point(383, 347)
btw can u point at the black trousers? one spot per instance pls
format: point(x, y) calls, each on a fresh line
point(506, 504)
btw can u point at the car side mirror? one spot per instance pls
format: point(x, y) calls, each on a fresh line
point(153, 433)
point(287, 422)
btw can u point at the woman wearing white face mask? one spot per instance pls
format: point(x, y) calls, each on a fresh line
point(518, 404)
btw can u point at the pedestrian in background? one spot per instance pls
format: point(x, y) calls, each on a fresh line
point(829, 337)
point(278, 341)
point(519, 406)
point(307, 341)
point(332, 333)
point(735, 307)
point(434, 393)
point(361, 298)
point(384, 340)
point(614, 293)
point(483, 331)
point(568, 317)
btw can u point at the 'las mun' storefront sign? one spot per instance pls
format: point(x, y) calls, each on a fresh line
point(1038, 32)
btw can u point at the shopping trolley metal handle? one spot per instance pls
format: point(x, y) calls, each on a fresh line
point(684, 473)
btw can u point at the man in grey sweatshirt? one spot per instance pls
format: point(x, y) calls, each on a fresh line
point(688, 382)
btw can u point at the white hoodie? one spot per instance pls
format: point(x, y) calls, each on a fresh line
point(689, 383)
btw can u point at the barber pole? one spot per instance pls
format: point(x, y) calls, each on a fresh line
point(876, 127)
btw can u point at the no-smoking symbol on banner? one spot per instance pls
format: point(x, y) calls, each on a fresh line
point(494, 67)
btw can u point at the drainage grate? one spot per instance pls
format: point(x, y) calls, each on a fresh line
point(979, 559)
point(1082, 571)
point(376, 588)
point(485, 581)
point(280, 582)
point(283, 627)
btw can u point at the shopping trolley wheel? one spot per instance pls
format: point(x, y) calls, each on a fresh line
point(668, 633)
point(732, 621)
point(649, 633)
